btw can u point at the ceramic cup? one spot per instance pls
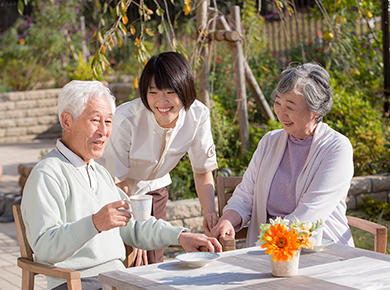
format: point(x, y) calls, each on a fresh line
point(141, 206)
point(316, 236)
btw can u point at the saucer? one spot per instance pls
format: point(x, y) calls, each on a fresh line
point(197, 259)
point(325, 242)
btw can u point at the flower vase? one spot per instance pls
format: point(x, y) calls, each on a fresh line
point(286, 268)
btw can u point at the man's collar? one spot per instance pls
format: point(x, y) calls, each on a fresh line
point(72, 157)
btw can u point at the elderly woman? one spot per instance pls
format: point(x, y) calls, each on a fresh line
point(303, 170)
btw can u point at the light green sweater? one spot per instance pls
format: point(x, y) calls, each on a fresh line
point(57, 208)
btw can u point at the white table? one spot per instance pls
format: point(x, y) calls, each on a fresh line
point(336, 267)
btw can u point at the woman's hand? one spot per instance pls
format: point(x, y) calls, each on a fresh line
point(209, 221)
point(124, 186)
point(141, 257)
point(226, 224)
point(224, 227)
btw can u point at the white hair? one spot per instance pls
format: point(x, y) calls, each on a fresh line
point(75, 95)
point(310, 80)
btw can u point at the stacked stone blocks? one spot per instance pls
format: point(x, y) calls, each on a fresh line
point(30, 115)
point(25, 116)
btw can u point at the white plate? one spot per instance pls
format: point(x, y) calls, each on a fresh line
point(197, 259)
point(325, 242)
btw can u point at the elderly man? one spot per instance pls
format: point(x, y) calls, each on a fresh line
point(75, 216)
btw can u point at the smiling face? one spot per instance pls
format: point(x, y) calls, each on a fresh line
point(294, 115)
point(165, 105)
point(88, 136)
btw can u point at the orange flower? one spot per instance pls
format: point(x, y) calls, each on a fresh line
point(304, 239)
point(281, 242)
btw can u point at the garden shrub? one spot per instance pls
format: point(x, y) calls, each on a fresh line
point(355, 117)
point(375, 209)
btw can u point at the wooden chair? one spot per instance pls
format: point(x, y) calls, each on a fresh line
point(229, 183)
point(31, 268)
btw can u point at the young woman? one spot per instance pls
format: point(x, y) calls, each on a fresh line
point(152, 133)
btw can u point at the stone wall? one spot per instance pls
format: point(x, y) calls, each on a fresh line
point(376, 186)
point(30, 115)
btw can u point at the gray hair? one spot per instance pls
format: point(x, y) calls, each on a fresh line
point(75, 95)
point(311, 81)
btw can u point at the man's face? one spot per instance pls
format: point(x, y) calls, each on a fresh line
point(88, 136)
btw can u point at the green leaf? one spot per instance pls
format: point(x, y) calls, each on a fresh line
point(123, 12)
point(160, 11)
point(20, 7)
point(104, 59)
point(93, 61)
point(123, 28)
point(160, 28)
point(100, 38)
point(118, 38)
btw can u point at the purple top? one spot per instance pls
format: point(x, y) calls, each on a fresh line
point(281, 198)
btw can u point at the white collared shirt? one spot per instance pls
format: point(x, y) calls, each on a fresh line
point(144, 153)
point(86, 170)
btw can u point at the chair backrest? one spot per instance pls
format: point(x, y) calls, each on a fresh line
point(225, 188)
point(25, 249)
point(224, 184)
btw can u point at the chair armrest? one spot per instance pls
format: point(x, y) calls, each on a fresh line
point(366, 225)
point(379, 232)
point(53, 271)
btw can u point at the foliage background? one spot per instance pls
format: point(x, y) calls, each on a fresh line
point(45, 48)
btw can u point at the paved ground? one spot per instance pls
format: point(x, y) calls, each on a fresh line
point(11, 155)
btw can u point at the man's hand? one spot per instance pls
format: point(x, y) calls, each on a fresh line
point(112, 215)
point(209, 221)
point(141, 257)
point(192, 242)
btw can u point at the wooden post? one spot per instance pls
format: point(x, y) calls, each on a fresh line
point(258, 94)
point(386, 56)
point(201, 28)
point(84, 47)
point(239, 75)
point(250, 78)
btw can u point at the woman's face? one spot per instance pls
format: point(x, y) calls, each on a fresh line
point(165, 105)
point(293, 113)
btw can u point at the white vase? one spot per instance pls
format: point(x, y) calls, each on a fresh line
point(286, 268)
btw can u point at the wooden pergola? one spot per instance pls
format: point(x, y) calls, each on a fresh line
point(231, 33)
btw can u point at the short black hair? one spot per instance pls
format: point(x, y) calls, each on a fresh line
point(170, 70)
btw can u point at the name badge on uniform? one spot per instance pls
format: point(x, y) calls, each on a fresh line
point(211, 151)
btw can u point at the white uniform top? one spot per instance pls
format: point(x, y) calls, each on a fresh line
point(144, 153)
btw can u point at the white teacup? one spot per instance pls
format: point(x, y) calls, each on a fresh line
point(316, 236)
point(141, 207)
